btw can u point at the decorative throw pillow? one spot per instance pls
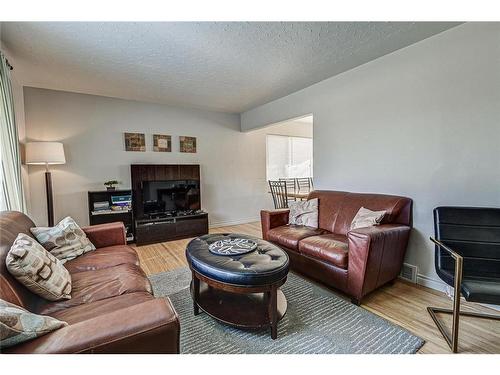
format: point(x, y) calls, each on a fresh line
point(18, 325)
point(37, 269)
point(304, 213)
point(65, 241)
point(367, 218)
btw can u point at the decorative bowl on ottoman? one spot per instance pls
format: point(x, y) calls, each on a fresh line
point(232, 246)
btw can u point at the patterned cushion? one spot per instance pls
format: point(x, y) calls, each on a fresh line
point(18, 325)
point(37, 269)
point(304, 213)
point(366, 218)
point(65, 241)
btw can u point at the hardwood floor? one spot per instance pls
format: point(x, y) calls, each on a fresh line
point(402, 303)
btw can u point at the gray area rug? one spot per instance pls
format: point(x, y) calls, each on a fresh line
point(317, 321)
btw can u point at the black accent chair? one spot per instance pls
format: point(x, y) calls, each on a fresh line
point(467, 257)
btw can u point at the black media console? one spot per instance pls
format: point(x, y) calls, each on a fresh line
point(165, 226)
point(149, 231)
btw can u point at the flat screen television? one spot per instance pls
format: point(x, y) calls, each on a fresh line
point(170, 196)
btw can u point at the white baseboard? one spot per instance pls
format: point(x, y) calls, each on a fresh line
point(226, 223)
point(431, 283)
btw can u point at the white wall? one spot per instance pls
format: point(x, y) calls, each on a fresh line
point(423, 122)
point(294, 127)
point(91, 127)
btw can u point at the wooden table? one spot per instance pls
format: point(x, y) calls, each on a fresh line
point(301, 196)
point(239, 306)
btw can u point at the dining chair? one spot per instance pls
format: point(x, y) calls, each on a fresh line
point(303, 184)
point(279, 193)
point(291, 185)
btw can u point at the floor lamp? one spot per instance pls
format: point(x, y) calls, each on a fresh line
point(46, 153)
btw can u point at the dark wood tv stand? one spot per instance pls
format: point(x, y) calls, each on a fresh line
point(149, 231)
point(152, 230)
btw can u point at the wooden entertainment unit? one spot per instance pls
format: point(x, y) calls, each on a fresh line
point(159, 229)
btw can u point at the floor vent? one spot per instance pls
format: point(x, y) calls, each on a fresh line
point(409, 272)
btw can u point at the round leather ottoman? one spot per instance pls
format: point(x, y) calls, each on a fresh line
point(240, 290)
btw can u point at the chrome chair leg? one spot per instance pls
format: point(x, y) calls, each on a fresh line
point(453, 339)
point(454, 343)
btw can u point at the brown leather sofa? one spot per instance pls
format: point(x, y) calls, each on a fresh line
point(355, 262)
point(111, 309)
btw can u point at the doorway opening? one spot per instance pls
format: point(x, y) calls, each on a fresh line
point(289, 149)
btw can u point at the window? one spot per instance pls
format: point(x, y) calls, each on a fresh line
point(288, 157)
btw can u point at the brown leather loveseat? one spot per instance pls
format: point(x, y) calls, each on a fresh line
point(355, 262)
point(111, 309)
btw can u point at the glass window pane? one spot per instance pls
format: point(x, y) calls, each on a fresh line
point(288, 157)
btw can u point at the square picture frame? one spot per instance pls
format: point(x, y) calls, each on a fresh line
point(135, 142)
point(187, 144)
point(162, 143)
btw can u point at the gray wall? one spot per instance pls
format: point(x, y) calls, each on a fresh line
point(91, 127)
point(423, 122)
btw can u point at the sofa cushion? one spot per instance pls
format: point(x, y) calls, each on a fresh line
point(304, 213)
point(91, 286)
point(104, 257)
point(65, 241)
point(11, 224)
point(91, 310)
point(37, 269)
point(366, 218)
point(18, 325)
point(337, 209)
point(331, 248)
point(290, 235)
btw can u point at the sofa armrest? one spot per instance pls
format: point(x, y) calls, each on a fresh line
point(148, 327)
point(376, 255)
point(270, 219)
point(109, 234)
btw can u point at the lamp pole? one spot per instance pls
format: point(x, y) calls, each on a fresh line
point(46, 153)
point(50, 201)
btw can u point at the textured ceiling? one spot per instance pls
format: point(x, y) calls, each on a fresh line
point(229, 67)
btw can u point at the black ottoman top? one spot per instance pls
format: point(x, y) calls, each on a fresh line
point(265, 265)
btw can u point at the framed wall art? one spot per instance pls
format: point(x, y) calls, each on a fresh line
point(187, 144)
point(162, 143)
point(135, 142)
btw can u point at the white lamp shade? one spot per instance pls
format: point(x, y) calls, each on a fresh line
point(45, 153)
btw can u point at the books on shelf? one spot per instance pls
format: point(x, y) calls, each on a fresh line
point(119, 204)
point(101, 206)
point(121, 200)
point(106, 212)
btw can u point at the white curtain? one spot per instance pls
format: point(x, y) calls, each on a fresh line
point(11, 187)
